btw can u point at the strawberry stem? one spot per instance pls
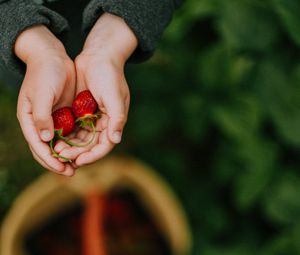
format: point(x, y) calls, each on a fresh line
point(55, 154)
point(87, 123)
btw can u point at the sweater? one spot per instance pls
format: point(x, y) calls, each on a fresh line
point(146, 18)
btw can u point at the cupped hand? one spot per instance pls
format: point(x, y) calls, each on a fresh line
point(100, 69)
point(49, 83)
point(107, 84)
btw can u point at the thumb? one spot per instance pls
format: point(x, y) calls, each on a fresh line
point(117, 119)
point(42, 116)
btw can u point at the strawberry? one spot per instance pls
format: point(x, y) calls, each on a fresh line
point(84, 108)
point(84, 105)
point(64, 121)
point(64, 124)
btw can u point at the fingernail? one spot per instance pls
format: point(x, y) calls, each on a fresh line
point(117, 137)
point(46, 135)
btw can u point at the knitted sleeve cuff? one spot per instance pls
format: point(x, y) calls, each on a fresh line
point(146, 18)
point(15, 17)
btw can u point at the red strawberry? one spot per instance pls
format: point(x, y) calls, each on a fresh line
point(84, 108)
point(64, 120)
point(84, 105)
point(64, 124)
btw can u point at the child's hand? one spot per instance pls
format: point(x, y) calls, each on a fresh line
point(49, 83)
point(100, 68)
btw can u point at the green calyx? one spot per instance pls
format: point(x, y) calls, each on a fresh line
point(87, 119)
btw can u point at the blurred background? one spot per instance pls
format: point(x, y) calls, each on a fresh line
point(216, 111)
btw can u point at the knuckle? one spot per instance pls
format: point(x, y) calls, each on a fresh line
point(40, 119)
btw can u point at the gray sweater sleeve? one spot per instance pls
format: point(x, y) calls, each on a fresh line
point(15, 17)
point(146, 18)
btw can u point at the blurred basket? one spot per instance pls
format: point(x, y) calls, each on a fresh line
point(51, 194)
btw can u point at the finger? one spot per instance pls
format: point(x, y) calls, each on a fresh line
point(66, 170)
point(117, 113)
point(82, 134)
point(78, 138)
point(69, 170)
point(60, 146)
point(115, 128)
point(56, 91)
point(74, 165)
point(73, 152)
point(98, 151)
point(66, 151)
point(80, 80)
point(68, 94)
point(102, 123)
point(37, 158)
point(72, 135)
point(41, 113)
point(79, 134)
point(31, 135)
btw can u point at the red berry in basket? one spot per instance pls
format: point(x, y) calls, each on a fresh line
point(64, 120)
point(84, 104)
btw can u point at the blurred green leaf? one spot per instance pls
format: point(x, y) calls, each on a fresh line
point(296, 236)
point(194, 117)
point(247, 24)
point(281, 202)
point(281, 97)
point(288, 11)
point(279, 245)
point(213, 69)
point(187, 15)
point(259, 162)
point(235, 250)
point(240, 118)
point(220, 69)
point(158, 120)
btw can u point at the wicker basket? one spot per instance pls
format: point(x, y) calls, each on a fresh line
point(51, 193)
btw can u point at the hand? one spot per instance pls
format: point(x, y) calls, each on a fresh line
point(100, 68)
point(49, 83)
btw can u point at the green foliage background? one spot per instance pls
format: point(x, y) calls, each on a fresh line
point(217, 112)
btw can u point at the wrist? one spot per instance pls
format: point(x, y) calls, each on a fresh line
point(111, 37)
point(37, 41)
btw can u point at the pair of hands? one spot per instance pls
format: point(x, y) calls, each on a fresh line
point(52, 80)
